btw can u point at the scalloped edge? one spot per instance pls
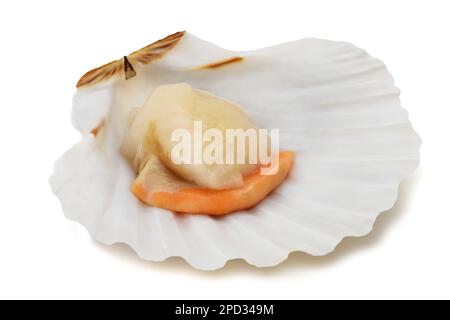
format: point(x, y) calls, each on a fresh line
point(224, 263)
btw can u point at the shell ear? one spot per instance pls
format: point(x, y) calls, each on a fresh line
point(145, 55)
point(101, 73)
point(156, 50)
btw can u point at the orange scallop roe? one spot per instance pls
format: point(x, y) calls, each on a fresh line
point(218, 202)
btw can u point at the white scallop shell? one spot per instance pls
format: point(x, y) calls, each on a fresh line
point(336, 105)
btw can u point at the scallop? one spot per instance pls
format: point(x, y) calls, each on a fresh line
point(178, 107)
point(346, 143)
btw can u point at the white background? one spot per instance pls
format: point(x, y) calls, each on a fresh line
point(47, 45)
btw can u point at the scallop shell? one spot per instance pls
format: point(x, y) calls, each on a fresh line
point(334, 104)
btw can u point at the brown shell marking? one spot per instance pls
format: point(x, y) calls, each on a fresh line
point(125, 66)
point(98, 128)
point(221, 63)
point(129, 70)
